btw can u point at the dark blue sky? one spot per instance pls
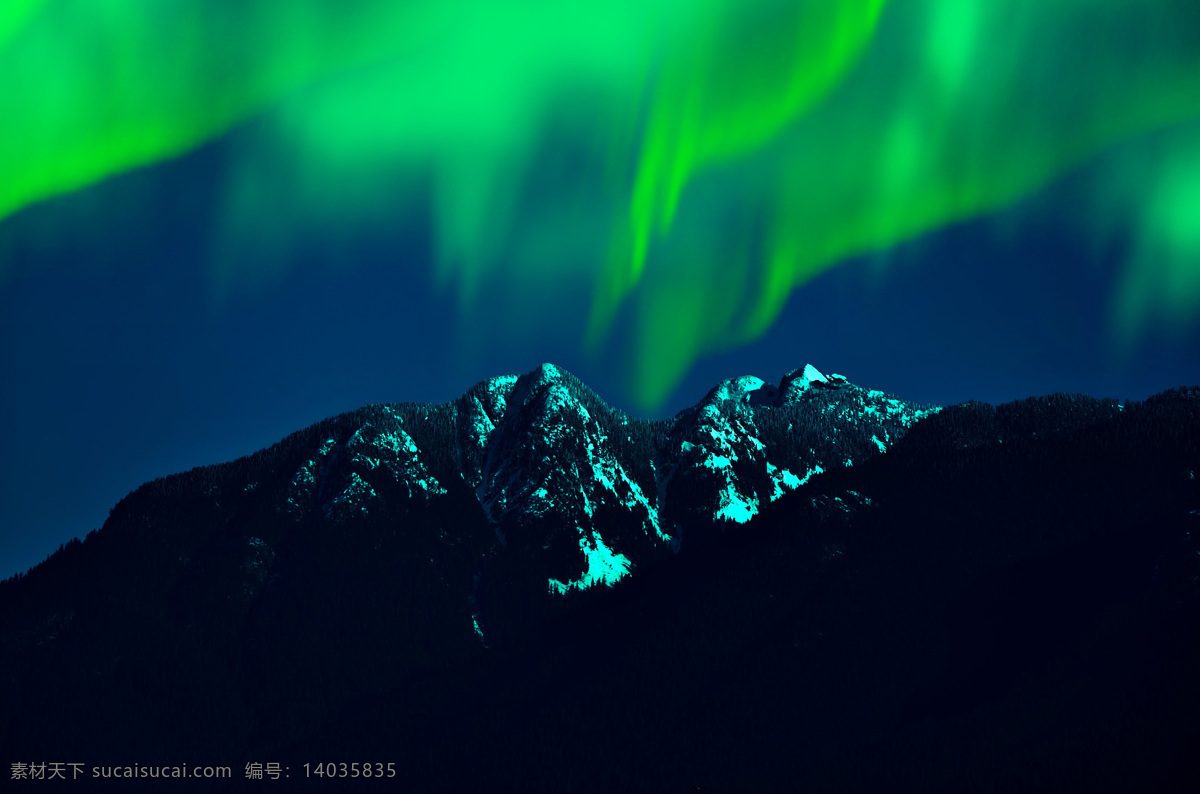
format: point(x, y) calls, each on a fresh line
point(119, 363)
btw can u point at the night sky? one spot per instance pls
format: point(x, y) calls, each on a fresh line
point(202, 254)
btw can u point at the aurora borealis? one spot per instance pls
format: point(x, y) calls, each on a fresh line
point(845, 126)
point(650, 184)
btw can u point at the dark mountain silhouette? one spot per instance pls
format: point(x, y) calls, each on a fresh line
point(813, 586)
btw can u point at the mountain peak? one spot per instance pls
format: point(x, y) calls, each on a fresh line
point(799, 382)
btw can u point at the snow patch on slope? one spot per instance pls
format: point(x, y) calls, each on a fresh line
point(784, 481)
point(604, 566)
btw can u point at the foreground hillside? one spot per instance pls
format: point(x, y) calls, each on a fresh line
point(812, 585)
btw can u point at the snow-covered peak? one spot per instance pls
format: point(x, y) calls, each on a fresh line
point(813, 375)
point(799, 382)
point(737, 393)
point(735, 389)
point(500, 386)
point(531, 385)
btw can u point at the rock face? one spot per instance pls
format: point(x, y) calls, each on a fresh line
point(806, 575)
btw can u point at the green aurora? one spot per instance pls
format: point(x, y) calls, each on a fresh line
point(689, 163)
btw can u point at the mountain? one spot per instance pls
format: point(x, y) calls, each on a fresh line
point(809, 585)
